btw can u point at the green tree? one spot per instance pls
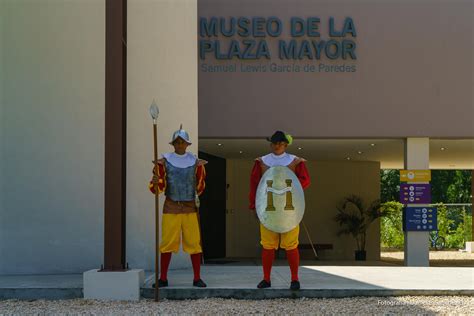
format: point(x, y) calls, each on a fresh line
point(389, 185)
point(459, 191)
point(451, 186)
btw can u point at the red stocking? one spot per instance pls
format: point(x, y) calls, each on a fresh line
point(267, 261)
point(293, 257)
point(165, 263)
point(196, 261)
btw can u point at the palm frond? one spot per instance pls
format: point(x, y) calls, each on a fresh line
point(354, 219)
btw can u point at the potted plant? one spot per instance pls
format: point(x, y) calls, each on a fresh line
point(354, 219)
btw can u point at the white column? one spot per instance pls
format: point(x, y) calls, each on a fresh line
point(417, 156)
point(162, 65)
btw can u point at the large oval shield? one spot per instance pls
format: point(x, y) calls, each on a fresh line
point(280, 200)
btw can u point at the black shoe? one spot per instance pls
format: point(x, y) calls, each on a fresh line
point(264, 284)
point(199, 283)
point(295, 285)
point(161, 283)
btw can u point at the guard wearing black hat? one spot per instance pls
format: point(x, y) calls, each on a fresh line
point(271, 240)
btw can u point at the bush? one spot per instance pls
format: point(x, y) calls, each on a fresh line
point(391, 229)
point(451, 225)
point(454, 224)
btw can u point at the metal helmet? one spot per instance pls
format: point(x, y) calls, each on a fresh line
point(181, 133)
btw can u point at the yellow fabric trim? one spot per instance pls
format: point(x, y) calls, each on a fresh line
point(162, 180)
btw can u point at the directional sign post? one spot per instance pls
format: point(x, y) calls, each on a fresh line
point(415, 193)
point(420, 219)
point(415, 175)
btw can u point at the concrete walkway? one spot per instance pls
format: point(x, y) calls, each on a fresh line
point(240, 282)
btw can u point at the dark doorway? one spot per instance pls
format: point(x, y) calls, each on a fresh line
point(213, 206)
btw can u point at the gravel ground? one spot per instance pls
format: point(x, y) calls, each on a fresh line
point(445, 258)
point(420, 305)
point(434, 255)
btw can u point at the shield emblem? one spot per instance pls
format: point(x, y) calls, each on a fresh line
point(280, 200)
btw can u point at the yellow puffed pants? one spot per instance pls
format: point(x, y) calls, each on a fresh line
point(175, 225)
point(270, 240)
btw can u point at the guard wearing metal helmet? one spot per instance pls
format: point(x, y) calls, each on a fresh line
point(276, 194)
point(181, 176)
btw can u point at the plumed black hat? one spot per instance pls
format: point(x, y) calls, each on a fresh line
point(279, 136)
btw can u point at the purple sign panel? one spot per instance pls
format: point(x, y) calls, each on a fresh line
point(415, 193)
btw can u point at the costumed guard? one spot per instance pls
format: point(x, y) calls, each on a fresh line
point(276, 194)
point(181, 176)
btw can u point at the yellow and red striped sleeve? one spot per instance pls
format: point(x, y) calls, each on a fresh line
point(161, 181)
point(200, 179)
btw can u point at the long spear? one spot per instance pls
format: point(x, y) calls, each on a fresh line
point(154, 111)
point(310, 241)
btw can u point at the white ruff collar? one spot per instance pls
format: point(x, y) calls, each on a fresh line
point(273, 160)
point(180, 161)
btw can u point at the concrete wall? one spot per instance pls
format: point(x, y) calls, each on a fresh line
point(52, 136)
point(2, 12)
point(414, 74)
point(52, 128)
point(331, 181)
point(163, 66)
